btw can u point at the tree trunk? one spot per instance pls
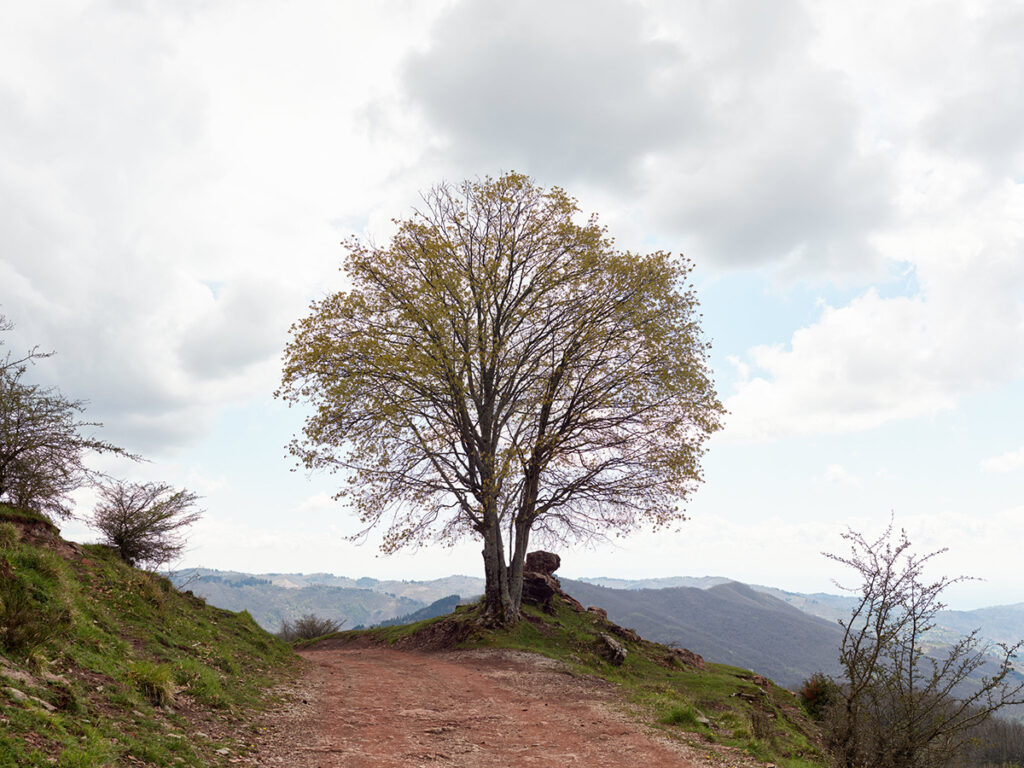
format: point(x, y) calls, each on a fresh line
point(498, 605)
point(522, 540)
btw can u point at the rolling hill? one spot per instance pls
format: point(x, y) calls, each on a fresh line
point(728, 623)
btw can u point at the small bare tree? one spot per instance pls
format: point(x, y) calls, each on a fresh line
point(902, 704)
point(144, 521)
point(43, 441)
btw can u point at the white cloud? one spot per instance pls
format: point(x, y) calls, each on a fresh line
point(836, 474)
point(149, 152)
point(1010, 461)
point(883, 358)
point(533, 88)
point(740, 143)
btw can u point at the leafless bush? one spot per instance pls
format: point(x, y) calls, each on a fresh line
point(144, 521)
point(307, 627)
point(897, 705)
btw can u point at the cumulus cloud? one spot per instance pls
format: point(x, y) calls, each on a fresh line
point(836, 474)
point(883, 357)
point(150, 152)
point(981, 117)
point(739, 143)
point(243, 325)
point(1010, 461)
point(527, 85)
point(880, 359)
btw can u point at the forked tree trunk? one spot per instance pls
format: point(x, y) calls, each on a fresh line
point(503, 590)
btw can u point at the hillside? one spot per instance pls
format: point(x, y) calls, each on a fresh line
point(701, 582)
point(102, 664)
point(437, 608)
point(729, 623)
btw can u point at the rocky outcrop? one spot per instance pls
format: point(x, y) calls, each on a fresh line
point(539, 586)
point(542, 562)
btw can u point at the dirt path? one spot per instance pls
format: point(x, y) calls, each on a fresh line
point(377, 707)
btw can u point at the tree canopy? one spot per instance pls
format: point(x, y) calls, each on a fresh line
point(501, 369)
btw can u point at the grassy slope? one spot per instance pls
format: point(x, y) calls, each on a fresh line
point(719, 705)
point(130, 672)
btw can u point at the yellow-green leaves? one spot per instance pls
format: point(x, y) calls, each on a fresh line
point(500, 364)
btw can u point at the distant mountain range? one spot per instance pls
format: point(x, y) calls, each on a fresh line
point(729, 622)
point(272, 597)
point(784, 635)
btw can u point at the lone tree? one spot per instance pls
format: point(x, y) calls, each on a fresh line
point(144, 521)
point(901, 703)
point(42, 441)
point(501, 369)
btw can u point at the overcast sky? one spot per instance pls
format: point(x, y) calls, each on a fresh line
point(175, 179)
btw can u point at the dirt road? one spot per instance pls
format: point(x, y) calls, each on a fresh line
point(377, 708)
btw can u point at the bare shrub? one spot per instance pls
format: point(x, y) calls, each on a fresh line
point(144, 521)
point(900, 705)
point(308, 627)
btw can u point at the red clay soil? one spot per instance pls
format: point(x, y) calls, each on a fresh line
point(381, 707)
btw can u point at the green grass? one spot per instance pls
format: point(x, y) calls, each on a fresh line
point(719, 705)
point(131, 668)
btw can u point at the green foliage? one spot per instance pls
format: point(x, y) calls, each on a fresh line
point(154, 681)
point(683, 715)
point(818, 693)
point(16, 515)
point(28, 621)
point(8, 535)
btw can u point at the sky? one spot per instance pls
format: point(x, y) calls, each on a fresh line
point(176, 178)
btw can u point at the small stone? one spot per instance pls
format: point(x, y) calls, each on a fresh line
point(223, 751)
point(19, 696)
point(19, 676)
point(614, 650)
point(23, 698)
